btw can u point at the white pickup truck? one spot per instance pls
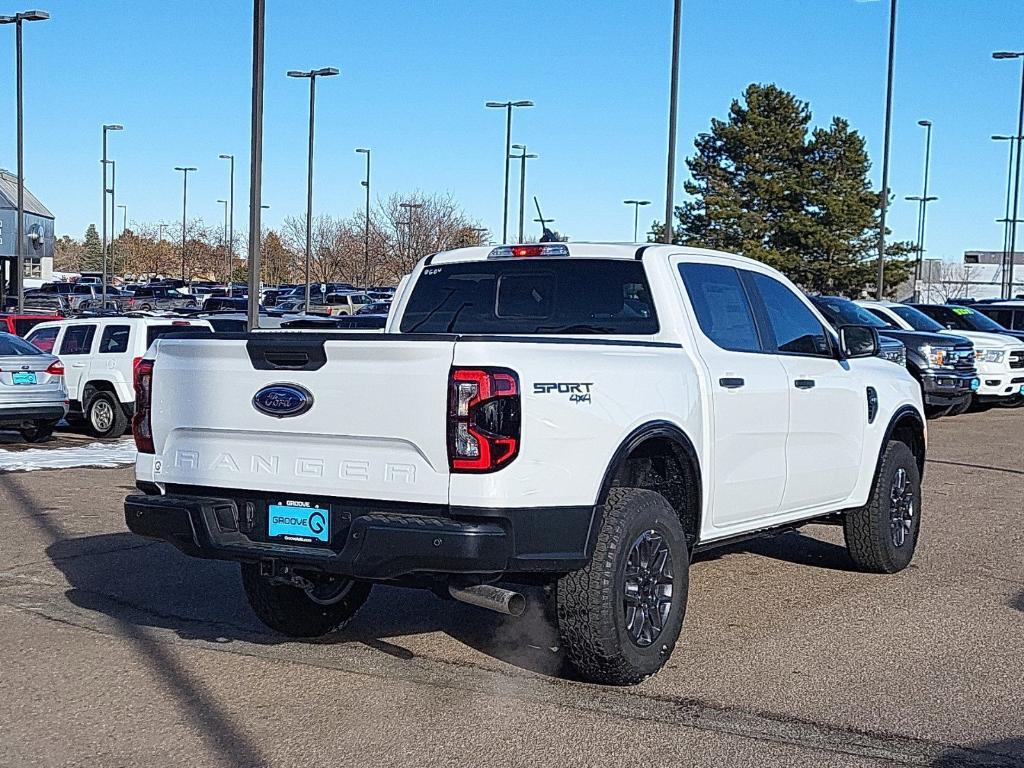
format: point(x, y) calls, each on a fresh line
point(582, 416)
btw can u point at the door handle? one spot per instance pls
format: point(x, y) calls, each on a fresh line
point(804, 383)
point(78, 365)
point(731, 383)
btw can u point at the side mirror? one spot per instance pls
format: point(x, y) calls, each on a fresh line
point(857, 341)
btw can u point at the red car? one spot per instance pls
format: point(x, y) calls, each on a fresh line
point(20, 325)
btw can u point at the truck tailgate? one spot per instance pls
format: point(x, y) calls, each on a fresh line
point(375, 429)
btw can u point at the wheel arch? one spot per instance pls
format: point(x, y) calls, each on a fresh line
point(657, 456)
point(907, 426)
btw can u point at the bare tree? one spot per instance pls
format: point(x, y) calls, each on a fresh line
point(954, 281)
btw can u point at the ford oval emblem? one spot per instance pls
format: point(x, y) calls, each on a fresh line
point(283, 400)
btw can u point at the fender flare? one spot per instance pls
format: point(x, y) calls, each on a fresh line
point(904, 412)
point(647, 431)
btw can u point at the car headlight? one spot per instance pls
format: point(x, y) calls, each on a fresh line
point(938, 357)
point(990, 355)
point(898, 356)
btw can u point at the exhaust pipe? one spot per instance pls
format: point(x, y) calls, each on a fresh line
point(493, 598)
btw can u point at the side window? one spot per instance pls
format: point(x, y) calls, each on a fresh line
point(114, 339)
point(43, 338)
point(721, 305)
point(77, 340)
point(796, 329)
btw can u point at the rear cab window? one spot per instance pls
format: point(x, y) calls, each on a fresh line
point(532, 296)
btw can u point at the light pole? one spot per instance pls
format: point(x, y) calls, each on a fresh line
point(224, 239)
point(231, 218)
point(636, 213)
point(673, 108)
point(113, 227)
point(1012, 246)
point(508, 106)
point(922, 203)
point(366, 229)
point(312, 75)
point(104, 162)
point(1009, 197)
point(522, 157)
point(184, 208)
point(259, 8)
point(124, 226)
point(880, 280)
point(157, 250)
point(19, 229)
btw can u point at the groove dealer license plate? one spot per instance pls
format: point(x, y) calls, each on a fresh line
point(299, 522)
point(21, 377)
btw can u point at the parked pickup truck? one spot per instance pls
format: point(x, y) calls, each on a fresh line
point(581, 416)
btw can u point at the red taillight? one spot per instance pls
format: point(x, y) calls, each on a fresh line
point(142, 426)
point(483, 419)
point(56, 368)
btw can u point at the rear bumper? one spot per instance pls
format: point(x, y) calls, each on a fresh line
point(13, 415)
point(947, 388)
point(374, 544)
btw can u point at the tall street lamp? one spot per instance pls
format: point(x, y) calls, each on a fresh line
point(673, 109)
point(1005, 221)
point(113, 226)
point(124, 226)
point(1012, 246)
point(366, 229)
point(312, 75)
point(508, 106)
point(259, 16)
point(104, 162)
point(522, 157)
point(231, 217)
point(636, 213)
point(922, 203)
point(880, 281)
point(19, 229)
point(184, 209)
point(224, 239)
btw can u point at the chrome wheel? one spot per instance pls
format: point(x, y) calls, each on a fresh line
point(901, 507)
point(102, 415)
point(647, 588)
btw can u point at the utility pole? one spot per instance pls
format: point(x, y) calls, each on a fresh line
point(880, 280)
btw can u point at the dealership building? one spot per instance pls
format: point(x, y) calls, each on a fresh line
point(979, 276)
point(38, 234)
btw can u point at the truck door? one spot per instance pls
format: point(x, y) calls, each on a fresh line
point(749, 398)
point(828, 411)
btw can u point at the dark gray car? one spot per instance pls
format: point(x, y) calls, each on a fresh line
point(148, 297)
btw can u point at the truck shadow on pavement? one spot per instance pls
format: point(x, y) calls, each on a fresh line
point(1005, 753)
point(146, 583)
point(794, 547)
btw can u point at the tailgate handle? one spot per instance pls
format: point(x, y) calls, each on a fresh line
point(289, 354)
point(281, 359)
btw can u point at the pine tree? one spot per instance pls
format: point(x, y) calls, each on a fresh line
point(764, 188)
point(93, 259)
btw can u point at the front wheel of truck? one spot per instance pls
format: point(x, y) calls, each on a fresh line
point(620, 616)
point(303, 606)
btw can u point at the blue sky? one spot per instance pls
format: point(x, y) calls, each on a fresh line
point(415, 75)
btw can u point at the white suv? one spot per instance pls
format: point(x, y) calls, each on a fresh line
point(99, 355)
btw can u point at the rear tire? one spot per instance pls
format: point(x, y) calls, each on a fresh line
point(296, 612)
point(620, 616)
point(882, 536)
point(39, 431)
point(104, 416)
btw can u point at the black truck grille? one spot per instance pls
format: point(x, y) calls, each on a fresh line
point(1017, 358)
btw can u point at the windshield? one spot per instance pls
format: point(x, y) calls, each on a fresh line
point(963, 319)
point(532, 295)
point(12, 346)
point(845, 312)
point(916, 319)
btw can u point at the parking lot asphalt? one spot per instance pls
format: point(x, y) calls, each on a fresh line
point(121, 651)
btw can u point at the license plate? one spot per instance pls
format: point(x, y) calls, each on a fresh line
point(299, 522)
point(21, 377)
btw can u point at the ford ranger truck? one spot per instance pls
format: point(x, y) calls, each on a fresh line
point(582, 416)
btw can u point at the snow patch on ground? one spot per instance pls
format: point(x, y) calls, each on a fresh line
point(91, 455)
